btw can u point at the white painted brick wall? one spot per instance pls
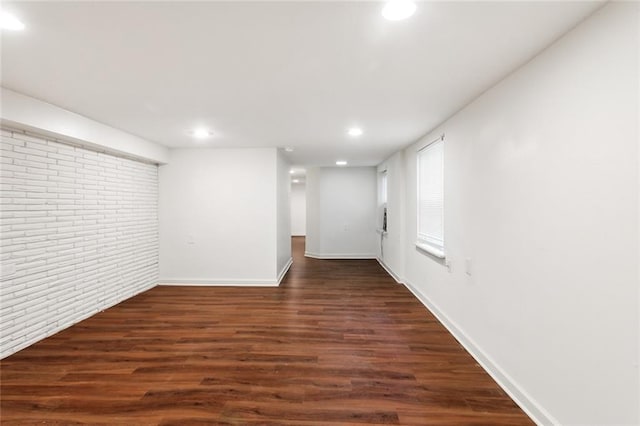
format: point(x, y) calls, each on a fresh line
point(80, 228)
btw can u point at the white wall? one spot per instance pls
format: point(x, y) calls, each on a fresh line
point(79, 234)
point(26, 113)
point(312, 222)
point(391, 252)
point(298, 209)
point(283, 214)
point(218, 217)
point(341, 212)
point(541, 193)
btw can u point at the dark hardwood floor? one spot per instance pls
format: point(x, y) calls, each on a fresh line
point(339, 342)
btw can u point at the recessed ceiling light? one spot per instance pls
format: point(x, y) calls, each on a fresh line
point(397, 10)
point(288, 149)
point(355, 132)
point(296, 181)
point(341, 163)
point(10, 22)
point(292, 171)
point(201, 133)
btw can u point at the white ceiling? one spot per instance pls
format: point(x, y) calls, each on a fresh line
point(295, 74)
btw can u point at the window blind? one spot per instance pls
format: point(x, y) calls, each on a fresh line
point(431, 198)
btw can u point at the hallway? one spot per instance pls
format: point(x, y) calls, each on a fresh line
point(339, 342)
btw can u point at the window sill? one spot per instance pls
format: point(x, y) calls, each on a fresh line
point(439, 253)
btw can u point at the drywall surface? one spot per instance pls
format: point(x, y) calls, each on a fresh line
point(218, 217)
point(312, 196)
point(541, 210)
point(298, 209)
point(391, 248)
point(79, 234)
point(27, 113)
point(541, 226)
point(341, 212)
point(283, 215)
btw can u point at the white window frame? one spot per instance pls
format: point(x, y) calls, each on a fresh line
point(383, 187)
point(429, 243)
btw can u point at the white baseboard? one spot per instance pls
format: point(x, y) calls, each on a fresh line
point(529, 405)
point(389, 271)
point(229, 282)
point(284, 270)
point(340, 255)
point(220, 282)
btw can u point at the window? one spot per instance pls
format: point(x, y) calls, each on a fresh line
point(383, 187)
point(382, 216)
point(430, 236)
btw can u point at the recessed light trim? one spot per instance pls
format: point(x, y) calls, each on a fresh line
point(201, 133)
point(10, 22)
point(354, 132)
point(397, 10)
point(341, 163)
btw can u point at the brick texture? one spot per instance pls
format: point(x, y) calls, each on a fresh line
point(78, 234)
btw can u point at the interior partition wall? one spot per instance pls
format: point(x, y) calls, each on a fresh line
point(79, 234)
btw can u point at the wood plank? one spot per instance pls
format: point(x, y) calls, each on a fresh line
point(339, 342)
